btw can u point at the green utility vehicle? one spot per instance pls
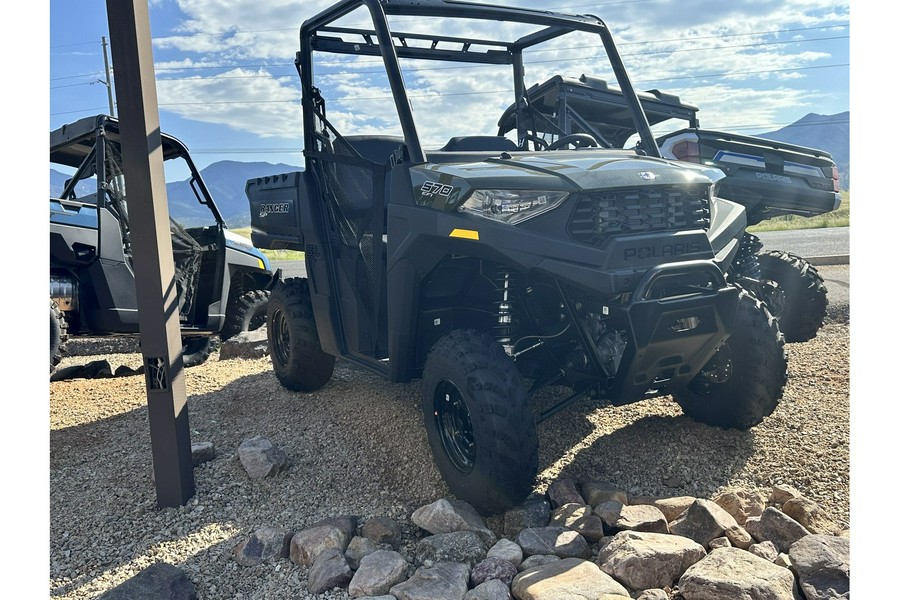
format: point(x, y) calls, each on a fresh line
point(492, 271)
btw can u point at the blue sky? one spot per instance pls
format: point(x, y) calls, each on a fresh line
point(228, 89)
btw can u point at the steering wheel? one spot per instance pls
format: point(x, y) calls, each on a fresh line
point(539, 142)
point(579, 140)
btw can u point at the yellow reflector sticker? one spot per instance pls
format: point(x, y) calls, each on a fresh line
point(262, 265)
point(466, 234)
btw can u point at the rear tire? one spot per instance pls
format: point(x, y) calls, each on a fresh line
point(58, 335)
point(297, 356)
point(247, 312)
point(804, 300)
point(744, 381)
point(480, 427)
point(196, 350)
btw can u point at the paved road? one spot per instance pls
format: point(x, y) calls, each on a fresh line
point(830, 241)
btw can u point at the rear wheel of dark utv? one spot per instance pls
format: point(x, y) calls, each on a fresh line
point(297, 356)
point(804, 299)
point(245, 313)
point(480, 426)
point(196, 350)
point(58, 335)
point(743, 382)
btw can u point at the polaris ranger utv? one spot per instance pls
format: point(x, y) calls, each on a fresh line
point(491, 271)
point(223, 281)
point(769, 178)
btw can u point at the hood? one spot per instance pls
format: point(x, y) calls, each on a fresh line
point(573, 171)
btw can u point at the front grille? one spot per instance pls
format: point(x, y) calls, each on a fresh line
point(601, 214)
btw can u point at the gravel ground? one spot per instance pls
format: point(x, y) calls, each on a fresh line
point(358, 447)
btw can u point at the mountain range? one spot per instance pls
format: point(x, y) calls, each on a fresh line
point(226, 179)
point(830, 133)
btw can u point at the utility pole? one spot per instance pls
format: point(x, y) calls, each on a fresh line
point(154, 267)
point(108, 82)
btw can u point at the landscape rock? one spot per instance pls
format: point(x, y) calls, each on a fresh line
point(558, 541)
point(643, 560)
point(810, 515)
point(263, 544)
point(739, 537)
point(766, 550)
point(383, 530)
point(639, 517)
point(670, 507)
point(703, 521)
point(507, 550)
point(784, 560)
point(96, 369)
point(781, 493)
point(568, 578)
point(361, 547)
point(822, 564)
point(777, 527)
point(719, 542)
point(492, 589)
point(346, 524)
point(330, 570)
point(246, 344)
point(457, 547)
point(531, 513)
point(378, 573)
point(597, 492)
point(261, 458)
point(537, 560)
point(564, 491)
point(735, 574)
point(492, 568)
point(159, 580)
point(307, 544)
point(580, 518)
point(654, 594)
point(202, 452)
point(443, 581)
point(741, 504)
point(450, 516)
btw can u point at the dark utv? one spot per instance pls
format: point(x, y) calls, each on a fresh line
point(223, 282)
point(492, 271)
point(769, 178)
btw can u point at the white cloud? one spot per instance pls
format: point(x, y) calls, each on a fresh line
point(737, 79)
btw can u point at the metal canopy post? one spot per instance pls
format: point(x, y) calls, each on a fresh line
point(154, 267)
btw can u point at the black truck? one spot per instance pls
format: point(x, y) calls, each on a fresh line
point(767, 177)
point(492, 271)
point(223, 282)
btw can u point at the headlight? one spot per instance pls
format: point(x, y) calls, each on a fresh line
point(511, 206)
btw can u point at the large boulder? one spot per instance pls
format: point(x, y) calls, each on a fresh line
point(776, 527)
point(559, 541)
point(643, 560)
point(533, 512)
point(378, 573)
point(263, 544)
point(735, 574)
point(639, 517)
point(443, 581)
point(568, 578)
point(704, 520)
point(159, 580)
point(330, 570)
point(822, 564)
point(458, 547)
point(306, 545)
point(450, 516)
point(261, 458)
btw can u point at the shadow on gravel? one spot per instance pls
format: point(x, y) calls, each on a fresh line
point(646, 449)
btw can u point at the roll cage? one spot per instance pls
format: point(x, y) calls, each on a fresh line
point(317, 34)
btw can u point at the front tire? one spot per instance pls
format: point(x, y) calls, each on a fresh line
point(297, 356)
point(58, 335)
point(804, 300)
point(744, 381)
point(479, 424)
point(247, 312)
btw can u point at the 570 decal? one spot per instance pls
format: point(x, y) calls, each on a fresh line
point(432, 189)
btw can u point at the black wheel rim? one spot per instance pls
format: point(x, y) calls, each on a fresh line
point(281, 338)
point(716, 372)
point(454, 425)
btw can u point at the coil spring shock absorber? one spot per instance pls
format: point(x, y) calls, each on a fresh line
point(746, 263)
point(504, 327)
